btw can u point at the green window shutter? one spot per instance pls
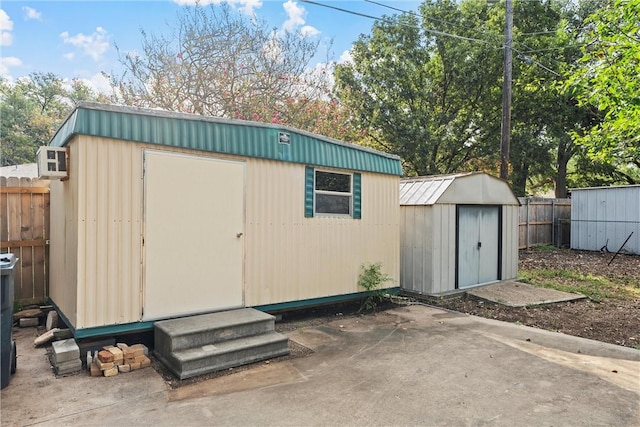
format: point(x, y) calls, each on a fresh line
point(357, 197)
point(308, 192)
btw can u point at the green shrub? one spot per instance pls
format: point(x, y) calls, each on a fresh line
point(371, 280)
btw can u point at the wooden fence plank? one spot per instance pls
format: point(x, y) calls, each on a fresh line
point(23, 243)
point(4, 212)
point(38, 234)
point(25, 190)
point(24, 225)
point(26, 233)
point(543, 222)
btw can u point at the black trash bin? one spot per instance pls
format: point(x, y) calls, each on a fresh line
point(7, 346)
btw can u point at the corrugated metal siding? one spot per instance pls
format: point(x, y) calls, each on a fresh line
point(510, 221)
point(606, 217)
point(290, 257)
point(423, 191)
point(287, 257)
point(473, 188)
point(221, 136)
point(428, 247)
point(444, 248)
point(63, 261)
point(109, 231)
point(415, 250)
point(428, 251)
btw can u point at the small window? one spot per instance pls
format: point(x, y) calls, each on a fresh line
point(333, 193)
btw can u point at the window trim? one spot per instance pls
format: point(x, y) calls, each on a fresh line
point(310, 193)
point(350, 194)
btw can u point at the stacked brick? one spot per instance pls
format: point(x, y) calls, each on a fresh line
point(112, 360)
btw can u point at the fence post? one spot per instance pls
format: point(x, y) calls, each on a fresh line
point(553, 222)
point(527, 228)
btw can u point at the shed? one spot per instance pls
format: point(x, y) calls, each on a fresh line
point(457, 231)
point(603, 218)
point(165, 214)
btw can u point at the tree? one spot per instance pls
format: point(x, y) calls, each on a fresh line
point(607, 78)
point(420, 94)
point(217, 62)
point(31, 111)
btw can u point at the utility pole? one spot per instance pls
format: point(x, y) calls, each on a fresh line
point(505, 136)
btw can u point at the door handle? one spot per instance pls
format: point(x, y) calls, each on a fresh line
point(479, 245)
point(239, 235)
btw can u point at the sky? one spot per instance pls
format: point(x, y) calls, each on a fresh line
point(77, 39)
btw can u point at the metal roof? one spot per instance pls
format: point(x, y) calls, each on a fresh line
point(461, 188)
point(238, 137)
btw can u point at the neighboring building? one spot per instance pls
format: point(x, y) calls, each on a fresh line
point(457, 231)
point(167, 214)
point(603, 218)
point(27, 170)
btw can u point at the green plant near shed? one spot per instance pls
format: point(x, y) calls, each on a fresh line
point(371, 280)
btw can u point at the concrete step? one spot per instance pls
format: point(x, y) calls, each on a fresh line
point(208, 358)
point(196, 331)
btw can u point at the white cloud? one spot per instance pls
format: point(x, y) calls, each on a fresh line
point(295, 15)
point(31, 13)
point(296, 19)
point(98, 82)
point(308, 31)
point(6, 63)
point(94, 45)
point(6, 26)
point(69, 56)
point(244, 6)
point(345, 57)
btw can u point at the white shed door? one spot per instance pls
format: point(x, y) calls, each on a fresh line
point(478, 231)
point(193, 225)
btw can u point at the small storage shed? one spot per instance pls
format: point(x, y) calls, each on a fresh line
point(603, 218)
point(457, 231)
point(165, 215)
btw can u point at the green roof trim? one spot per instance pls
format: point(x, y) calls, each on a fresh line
point(237, 137)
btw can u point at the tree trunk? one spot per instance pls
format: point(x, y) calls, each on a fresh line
point(561, 177)
point(519, 176)
point(566, 150)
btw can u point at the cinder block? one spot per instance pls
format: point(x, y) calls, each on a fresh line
point(68, 367)
point(105, 356)
point(65, 350)
point(124, 368)
point(110, 372)
point(135, 365)
point(28, 322)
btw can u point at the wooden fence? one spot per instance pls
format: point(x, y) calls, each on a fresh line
point(24, 230)
point(544, 222)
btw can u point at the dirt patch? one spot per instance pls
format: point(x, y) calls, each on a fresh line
point(612, 320)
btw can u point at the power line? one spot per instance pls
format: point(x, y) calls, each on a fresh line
point(390, 21)
point(532, 50)
point(429, 30)
point(411, 12)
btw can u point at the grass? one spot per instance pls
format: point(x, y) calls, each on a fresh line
point(594, 287)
